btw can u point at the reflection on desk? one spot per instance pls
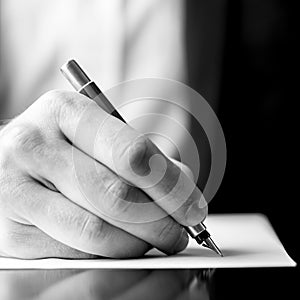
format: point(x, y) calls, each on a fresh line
point(233, 284)
point(105, 284)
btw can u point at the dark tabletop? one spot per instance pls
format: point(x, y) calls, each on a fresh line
point(264, 283)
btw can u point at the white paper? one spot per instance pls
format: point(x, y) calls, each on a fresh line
point(246, 240)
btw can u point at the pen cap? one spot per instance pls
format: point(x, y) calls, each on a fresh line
point(74, 74)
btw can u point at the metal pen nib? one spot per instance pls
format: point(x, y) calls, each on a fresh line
point(202, 237)
point(209, 243)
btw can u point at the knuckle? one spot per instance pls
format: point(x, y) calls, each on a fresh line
point(24, 139)
point(96, 237)
point(91, 230)
point(50, 101)
point(118, 194)
point(62, 104)
point(139, 154)
point(67, 104)
point(119, 189)
point(53, 97)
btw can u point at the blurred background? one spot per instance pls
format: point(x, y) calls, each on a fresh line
point(256, 102)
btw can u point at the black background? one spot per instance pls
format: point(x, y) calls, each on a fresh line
point(257, 111)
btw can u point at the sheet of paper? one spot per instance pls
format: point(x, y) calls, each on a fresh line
point(246, 240)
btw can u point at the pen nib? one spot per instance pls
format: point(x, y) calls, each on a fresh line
point(209, 243)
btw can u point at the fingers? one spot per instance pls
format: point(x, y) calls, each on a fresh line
point(72, 225)
point(130, 155)
point(29, 242)
point(97, 189)
point(120, 150)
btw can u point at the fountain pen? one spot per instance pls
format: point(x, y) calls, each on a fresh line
point(82, 84)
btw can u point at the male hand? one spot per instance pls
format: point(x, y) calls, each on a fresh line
point(76, 182)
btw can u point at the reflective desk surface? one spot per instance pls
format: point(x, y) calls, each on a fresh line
point(264, 283)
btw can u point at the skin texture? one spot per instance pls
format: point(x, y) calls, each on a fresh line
point(78, 183)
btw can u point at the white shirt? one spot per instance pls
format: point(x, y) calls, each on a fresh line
point(113, 40)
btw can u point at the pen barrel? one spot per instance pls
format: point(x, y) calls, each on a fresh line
point(74, 74)
point(82, 84)
point(92, 91)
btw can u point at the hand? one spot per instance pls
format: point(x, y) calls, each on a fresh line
point(76, 182)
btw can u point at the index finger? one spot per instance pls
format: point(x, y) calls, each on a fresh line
point(131, 155)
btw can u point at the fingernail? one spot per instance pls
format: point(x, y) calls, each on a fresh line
point(181, 242)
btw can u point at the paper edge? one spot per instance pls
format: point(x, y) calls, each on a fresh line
point(261, 216)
